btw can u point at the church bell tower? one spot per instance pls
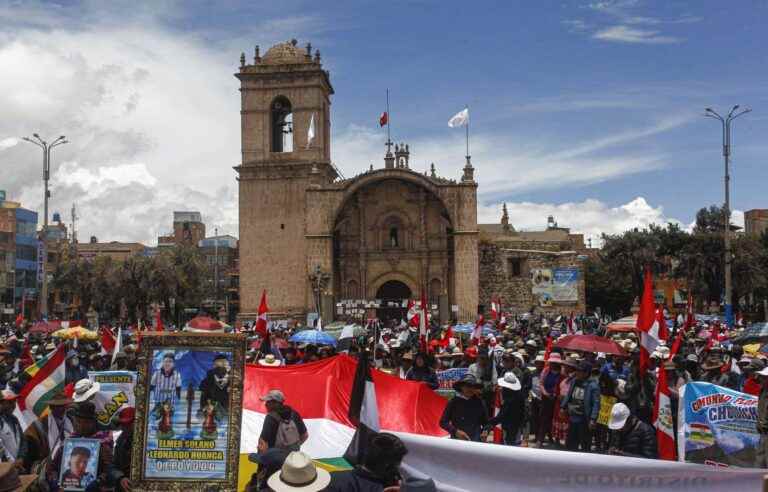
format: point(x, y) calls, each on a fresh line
point(285, 123)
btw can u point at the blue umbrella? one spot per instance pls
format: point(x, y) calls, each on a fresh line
point(313, 337)
point(757, 332)
point(468, 328)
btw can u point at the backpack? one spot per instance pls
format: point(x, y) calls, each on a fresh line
point(287, 436)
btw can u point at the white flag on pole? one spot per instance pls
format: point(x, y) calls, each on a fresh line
point(459, 119)
point(311, 131)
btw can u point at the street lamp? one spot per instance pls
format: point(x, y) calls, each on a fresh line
point(46, 146)
point(726, 124)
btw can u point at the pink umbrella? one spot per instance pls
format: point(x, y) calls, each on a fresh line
point(590, 343)
point(204, 323)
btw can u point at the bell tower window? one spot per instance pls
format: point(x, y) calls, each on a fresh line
point(282, 125)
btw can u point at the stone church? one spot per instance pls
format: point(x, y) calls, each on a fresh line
point(317, 242)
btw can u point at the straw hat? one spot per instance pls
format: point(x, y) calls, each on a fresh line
point(269, 360)
point(299, 474)
point(510, 381)
point(84, 389)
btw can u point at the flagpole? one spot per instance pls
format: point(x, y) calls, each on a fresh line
point(389, 118)
point(467, 108)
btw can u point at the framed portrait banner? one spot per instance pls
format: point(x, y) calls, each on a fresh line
point(79, 463)
point(189, 396)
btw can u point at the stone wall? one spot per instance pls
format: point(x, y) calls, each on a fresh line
point(514, 291)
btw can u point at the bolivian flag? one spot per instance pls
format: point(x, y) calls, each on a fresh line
point(46, 379)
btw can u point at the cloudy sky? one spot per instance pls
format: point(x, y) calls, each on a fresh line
point(587, 110)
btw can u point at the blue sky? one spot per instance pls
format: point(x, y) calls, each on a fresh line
point(591, 111)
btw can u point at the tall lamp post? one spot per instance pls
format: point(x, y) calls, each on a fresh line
point(46, 146)
point(726, 124)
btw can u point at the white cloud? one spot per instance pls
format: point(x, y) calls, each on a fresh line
point(590, 217)
point(626, 34)
point(9, 142)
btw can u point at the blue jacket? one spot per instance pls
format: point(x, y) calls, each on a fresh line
point(591, 400)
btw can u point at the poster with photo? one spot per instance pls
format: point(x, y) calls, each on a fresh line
point(189, 401)
point(79, 463)
point(116, 392)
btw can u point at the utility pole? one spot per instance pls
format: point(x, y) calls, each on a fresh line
point(726, 124)
point(216, 268)
point(47, 194)
point(74, 231)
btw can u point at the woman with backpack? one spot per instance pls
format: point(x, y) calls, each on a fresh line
point(283, 426)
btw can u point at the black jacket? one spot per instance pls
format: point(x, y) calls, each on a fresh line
point(638, 441)
point(512, 412)
point(464, 414)
point(357, 480)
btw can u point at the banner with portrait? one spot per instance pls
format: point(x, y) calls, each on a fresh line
point(116, 392)
point(188, 410)
point(717, 426)
point(79, 463)
point(553, 285)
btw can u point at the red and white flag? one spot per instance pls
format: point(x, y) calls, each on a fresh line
point(412, 314)
point(477, 333)
point(108, 341)
point(569, 324)
point(383, 119)
point(423, 331)
point(495, 308)
point(648, 323)
point(662, 418)
point(261, 321)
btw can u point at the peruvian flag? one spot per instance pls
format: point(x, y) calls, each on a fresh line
point(548, 349)
point(19, 320)
point(498, 433)
point(569, 324)
point(423, 331)
point(477, 333)
point(495, 308)
point(662, 418)
point(648, 323)
point(412, 314)
point(108, 341)
point(261, 321)
point(383, 119)
point(690, 322)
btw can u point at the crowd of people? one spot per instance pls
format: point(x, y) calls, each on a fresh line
point(516, 387)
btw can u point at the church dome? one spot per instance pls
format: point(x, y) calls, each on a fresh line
point(285, 54)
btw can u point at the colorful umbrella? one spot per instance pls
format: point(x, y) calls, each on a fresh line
point(314, 337)
point(469, 328)
point(204, 324)
point(590, 343)
point(77, 332)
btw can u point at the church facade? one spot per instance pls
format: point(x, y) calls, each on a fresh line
point(316, 242)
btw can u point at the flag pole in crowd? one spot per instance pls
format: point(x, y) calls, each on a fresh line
point(363, 411)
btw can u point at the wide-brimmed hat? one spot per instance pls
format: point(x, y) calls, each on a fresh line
point(570, 362)
point(712, 363)
point(273, 395)
point(299, 474)
point(11, 481)
point(60, 399)
point(692, 358)
point(619, 415)
point(510, 381)
point(555, 358)
point(669, 365)
point(84, 389)
point(756, 365)
point(467, 380)
point(270, 360)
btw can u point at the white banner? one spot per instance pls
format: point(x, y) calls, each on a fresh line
point(470, 466)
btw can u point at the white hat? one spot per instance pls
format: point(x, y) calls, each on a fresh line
point(619, 416)
point(656, 355)
point(299, 474)
point(84, 389)
point(540, 358)
point(764, 372)
point(273, 395)
point(269, 360)
point(510, 381)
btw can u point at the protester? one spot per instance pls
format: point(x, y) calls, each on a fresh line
point(380, 469)
point(581, 404)
point(465, 415)
point(120, 471)
point(761, 453)
point(548, 386)
point(12, 439)
point(47, 432)
point(421, 371)
point(283, 426)
point(511, 415)
point(632, 437)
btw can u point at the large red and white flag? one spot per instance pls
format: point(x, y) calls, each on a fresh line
point(648, 323)
point(261, 321)
point(662, 418)
point(108, 341)
point(477, 333)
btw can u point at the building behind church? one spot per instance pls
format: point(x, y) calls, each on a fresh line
point(352, 247)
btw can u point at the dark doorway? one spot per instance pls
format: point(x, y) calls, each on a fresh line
point(392, 292)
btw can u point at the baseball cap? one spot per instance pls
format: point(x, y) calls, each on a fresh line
point(273, 395)
point(619, 416)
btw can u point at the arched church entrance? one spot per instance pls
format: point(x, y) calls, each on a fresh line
point(392, 294)
point(394, 230)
